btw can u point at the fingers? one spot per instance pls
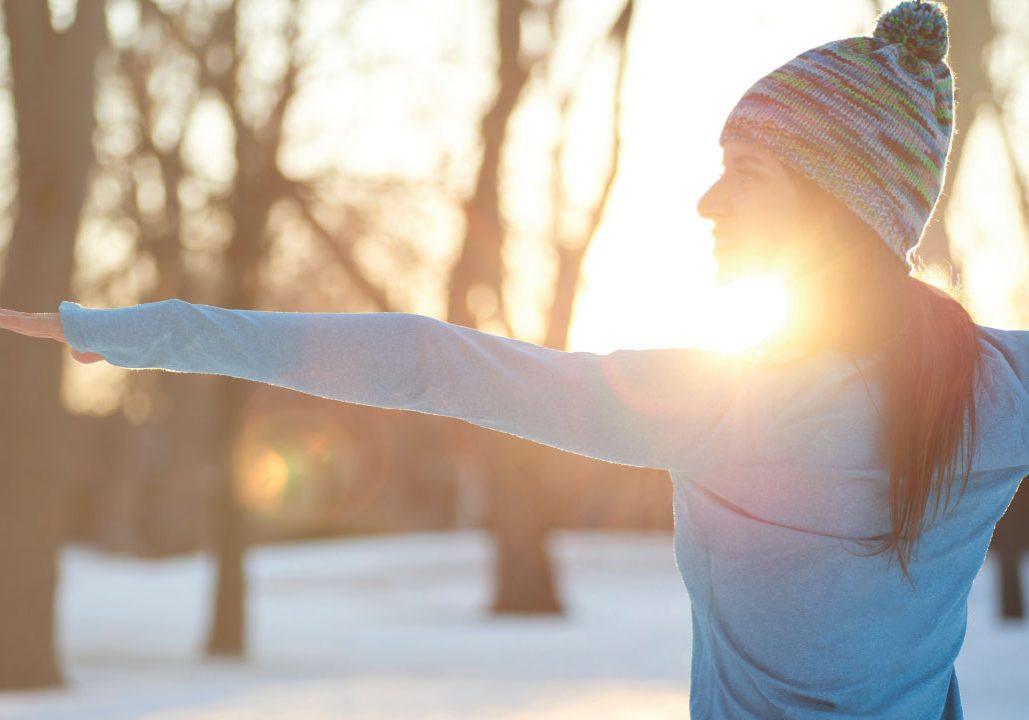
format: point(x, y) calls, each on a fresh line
point(41, 325)
point(87, 357)
point(21, 323)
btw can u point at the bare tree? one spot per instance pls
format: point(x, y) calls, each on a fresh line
point(52, 85)
point(519, 511)
point(257, 187)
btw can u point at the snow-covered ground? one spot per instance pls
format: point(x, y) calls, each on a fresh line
point(397, 627)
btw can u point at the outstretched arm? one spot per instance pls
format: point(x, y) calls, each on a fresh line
point(647, 408)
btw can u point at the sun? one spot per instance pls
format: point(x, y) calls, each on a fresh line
point(744, 313)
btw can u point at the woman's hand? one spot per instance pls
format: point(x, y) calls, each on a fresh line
point(42, 325)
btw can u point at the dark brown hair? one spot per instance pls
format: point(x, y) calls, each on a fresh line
point(930, 361)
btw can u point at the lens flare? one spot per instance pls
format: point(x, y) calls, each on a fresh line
point(265, 480)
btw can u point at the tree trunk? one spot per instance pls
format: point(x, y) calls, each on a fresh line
point(520, 516)
point(227, 631)
point(53, 82)
point(257, 186)
point(1009, 542)
point(513, 489)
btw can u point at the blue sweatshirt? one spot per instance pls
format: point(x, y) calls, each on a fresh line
point(778, 471)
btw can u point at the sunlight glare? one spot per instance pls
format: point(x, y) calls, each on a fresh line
point(744, 313)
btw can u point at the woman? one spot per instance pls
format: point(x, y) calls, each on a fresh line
point(802, 471)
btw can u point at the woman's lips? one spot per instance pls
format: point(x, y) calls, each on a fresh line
point(723, 240)
point(726, 245)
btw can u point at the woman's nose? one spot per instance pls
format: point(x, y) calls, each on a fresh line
point(711, 204)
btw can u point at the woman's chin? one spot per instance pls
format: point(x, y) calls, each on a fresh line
point(734, 268)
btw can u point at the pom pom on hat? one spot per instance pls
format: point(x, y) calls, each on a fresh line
point(921, 27)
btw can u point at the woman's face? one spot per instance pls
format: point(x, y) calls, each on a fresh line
point(757, 207)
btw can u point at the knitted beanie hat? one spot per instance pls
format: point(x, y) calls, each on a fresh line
point(868, 119)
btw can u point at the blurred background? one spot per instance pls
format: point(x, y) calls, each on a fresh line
point(527, 167)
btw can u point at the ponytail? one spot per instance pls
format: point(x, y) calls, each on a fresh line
point(931, 359)
point(930, 376)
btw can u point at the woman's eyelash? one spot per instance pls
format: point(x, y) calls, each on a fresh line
point(744, 175)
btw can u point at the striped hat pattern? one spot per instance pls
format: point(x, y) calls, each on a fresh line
point(868, 119)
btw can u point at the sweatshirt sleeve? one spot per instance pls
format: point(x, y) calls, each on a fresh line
point(645, 408)
point(1014, 346)
point(1007, 432)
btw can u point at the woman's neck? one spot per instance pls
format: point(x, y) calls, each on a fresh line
point(835, 313)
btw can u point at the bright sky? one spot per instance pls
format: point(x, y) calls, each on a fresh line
point(649, 278)
point(650, 272)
